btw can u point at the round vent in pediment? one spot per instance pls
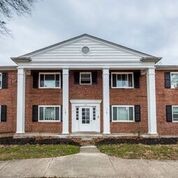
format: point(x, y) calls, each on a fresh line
point(85, 50)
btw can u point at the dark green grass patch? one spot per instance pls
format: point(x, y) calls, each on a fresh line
point(36, 151)
point(141, 151)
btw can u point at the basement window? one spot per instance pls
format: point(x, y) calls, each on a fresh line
point(49, 80)
point(49, 113)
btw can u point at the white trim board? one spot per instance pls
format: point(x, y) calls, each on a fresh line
point(85, 101)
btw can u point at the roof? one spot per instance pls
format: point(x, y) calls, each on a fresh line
point(25, 57)
point(167, 67)
point(8, 67)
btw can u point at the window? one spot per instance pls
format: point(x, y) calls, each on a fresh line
point(122, 113)
point(174, 79)
point(77, 113)
point(49, 113)
point(85, 78)
point(175, 113)
point(49, 80)
point(94, 113)
point(85, 115)
point(0, 80)
point(122, 80)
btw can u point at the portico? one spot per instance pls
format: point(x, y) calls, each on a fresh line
point(86, 104)
point(89, 56)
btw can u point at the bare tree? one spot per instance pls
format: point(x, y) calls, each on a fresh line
point(8, 8)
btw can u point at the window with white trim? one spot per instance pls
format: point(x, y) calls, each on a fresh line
point(174, 79)
point(175, 113)
point(122, 113)
point(122, 80)
point(85, 78)
point(0, 80)
point(49, 113)
point(49, 80)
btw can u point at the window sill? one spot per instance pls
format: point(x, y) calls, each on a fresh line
point(174, 88)
point(49, 88)
point(83, 84)
point(49, 121)
point(123, 121)
point(123, 88)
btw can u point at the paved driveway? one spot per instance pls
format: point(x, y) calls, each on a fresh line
point(89, 163)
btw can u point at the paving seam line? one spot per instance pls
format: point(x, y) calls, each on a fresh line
point(49, 164)
point(4, 165)
point(112, 165)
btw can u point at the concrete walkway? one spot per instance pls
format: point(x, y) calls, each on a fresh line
point(89, 163)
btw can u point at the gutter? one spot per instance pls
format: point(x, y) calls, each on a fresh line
point(21, 59)
point(151, 59)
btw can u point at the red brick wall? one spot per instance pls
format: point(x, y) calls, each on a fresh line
point(117, 96)
point(35, 96)
point(94, 91)
point(135, 96)
point(8, 97)
point(165, 97)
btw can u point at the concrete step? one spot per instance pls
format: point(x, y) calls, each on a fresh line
point(89, 149)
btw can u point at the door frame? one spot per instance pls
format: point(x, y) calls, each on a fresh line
point(85, 103)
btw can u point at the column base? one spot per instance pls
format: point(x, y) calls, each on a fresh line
point(20, 132)
point(106, 133)
point(150, 135)
point(65, 133)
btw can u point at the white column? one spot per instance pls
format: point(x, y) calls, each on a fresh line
point(20, 101)
point(106, 108)
point(151, 97)
point(65, 107)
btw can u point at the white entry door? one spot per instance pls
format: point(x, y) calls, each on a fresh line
point(85, 117)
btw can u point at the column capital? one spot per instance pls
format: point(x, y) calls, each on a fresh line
point(65, 71)
point(151, 71)
point(20, 71)
point(105, 71)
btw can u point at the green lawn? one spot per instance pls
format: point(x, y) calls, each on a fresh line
point(36, 151)
point(140, 151)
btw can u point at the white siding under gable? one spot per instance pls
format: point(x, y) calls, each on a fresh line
point(99, 51)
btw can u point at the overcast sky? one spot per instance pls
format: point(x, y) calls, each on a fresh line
point(150, 26)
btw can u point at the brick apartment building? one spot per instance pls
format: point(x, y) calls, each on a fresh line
point(88, 85)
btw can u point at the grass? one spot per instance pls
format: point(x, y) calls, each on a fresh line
point(36, 151)
point(141, 151)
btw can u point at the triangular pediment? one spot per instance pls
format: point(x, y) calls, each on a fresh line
point(96, 50)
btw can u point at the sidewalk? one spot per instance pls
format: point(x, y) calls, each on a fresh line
point(89, 163)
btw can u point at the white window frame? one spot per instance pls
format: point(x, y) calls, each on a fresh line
point(171, 78)
point(1, 81)
point(43, 106)
point(90, 78)
point(123, 106)
point(49, 73)
point(174, 106)
point(126, 73)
